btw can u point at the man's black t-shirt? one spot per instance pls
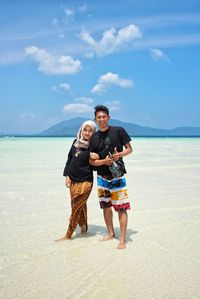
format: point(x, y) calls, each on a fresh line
point(104, 142)
point(77, 166)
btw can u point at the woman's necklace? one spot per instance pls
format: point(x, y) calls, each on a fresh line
point(77, 152)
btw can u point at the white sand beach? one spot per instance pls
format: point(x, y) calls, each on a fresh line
point(162, 258)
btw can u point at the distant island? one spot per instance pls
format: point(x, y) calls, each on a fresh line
point(69, 128)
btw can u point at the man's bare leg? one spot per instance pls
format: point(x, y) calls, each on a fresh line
point(108, 217)
point(123, 220)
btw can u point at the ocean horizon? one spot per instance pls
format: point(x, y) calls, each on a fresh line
point(61, 137)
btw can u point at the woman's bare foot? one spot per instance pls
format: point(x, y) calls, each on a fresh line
point(108, 237)
point(64, 238)
point(83, 229)
point(121, 245)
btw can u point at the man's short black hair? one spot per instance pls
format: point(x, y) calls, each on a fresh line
point(99, 108)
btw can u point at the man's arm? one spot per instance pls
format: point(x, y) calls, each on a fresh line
point(94, 156)
point(128, 150)
point(99, 162)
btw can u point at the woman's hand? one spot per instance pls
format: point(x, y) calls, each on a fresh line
point(67, 182)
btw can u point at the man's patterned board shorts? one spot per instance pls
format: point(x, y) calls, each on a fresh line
point(113, 193)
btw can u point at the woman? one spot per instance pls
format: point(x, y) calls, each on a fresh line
point(79, 178)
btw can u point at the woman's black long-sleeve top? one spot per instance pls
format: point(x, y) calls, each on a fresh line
point(77, 166)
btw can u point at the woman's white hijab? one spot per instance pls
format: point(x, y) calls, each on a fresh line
point(81, 142)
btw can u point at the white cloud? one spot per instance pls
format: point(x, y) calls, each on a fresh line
point(65, 86)
point(110, 79)
point(55, 22)
point(62, 86)
point(77, 108)
point(81, 105)
point(53, 64)
point(69, 12)
point(27, 115)
point(61, 34)
point(89, 55)
point(112, 40)
point(55, 89)
point(113, 105)
point(58, 26)
point(84, 100)
point(98, 88)
point(69, 15)
point(157, 54)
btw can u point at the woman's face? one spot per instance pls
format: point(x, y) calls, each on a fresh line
point(87, 132)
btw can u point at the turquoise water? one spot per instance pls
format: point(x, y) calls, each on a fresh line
point(36, 164)
point(22, 158)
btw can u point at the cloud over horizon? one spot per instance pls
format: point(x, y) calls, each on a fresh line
point(80, 105)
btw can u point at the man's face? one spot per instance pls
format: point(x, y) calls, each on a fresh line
point(102, 119)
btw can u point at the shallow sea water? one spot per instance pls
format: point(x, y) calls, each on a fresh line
point(162, 258)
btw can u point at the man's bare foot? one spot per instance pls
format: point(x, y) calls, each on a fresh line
point(108, 237)
point(62, 239)
point(122, 245)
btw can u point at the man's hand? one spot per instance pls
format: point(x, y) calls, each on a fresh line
point(108, 160)
point(116, 155)
point(67, 182)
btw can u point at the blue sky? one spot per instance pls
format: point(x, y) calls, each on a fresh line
point(58, 59)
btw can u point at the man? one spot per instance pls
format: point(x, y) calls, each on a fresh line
point(111, 144)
